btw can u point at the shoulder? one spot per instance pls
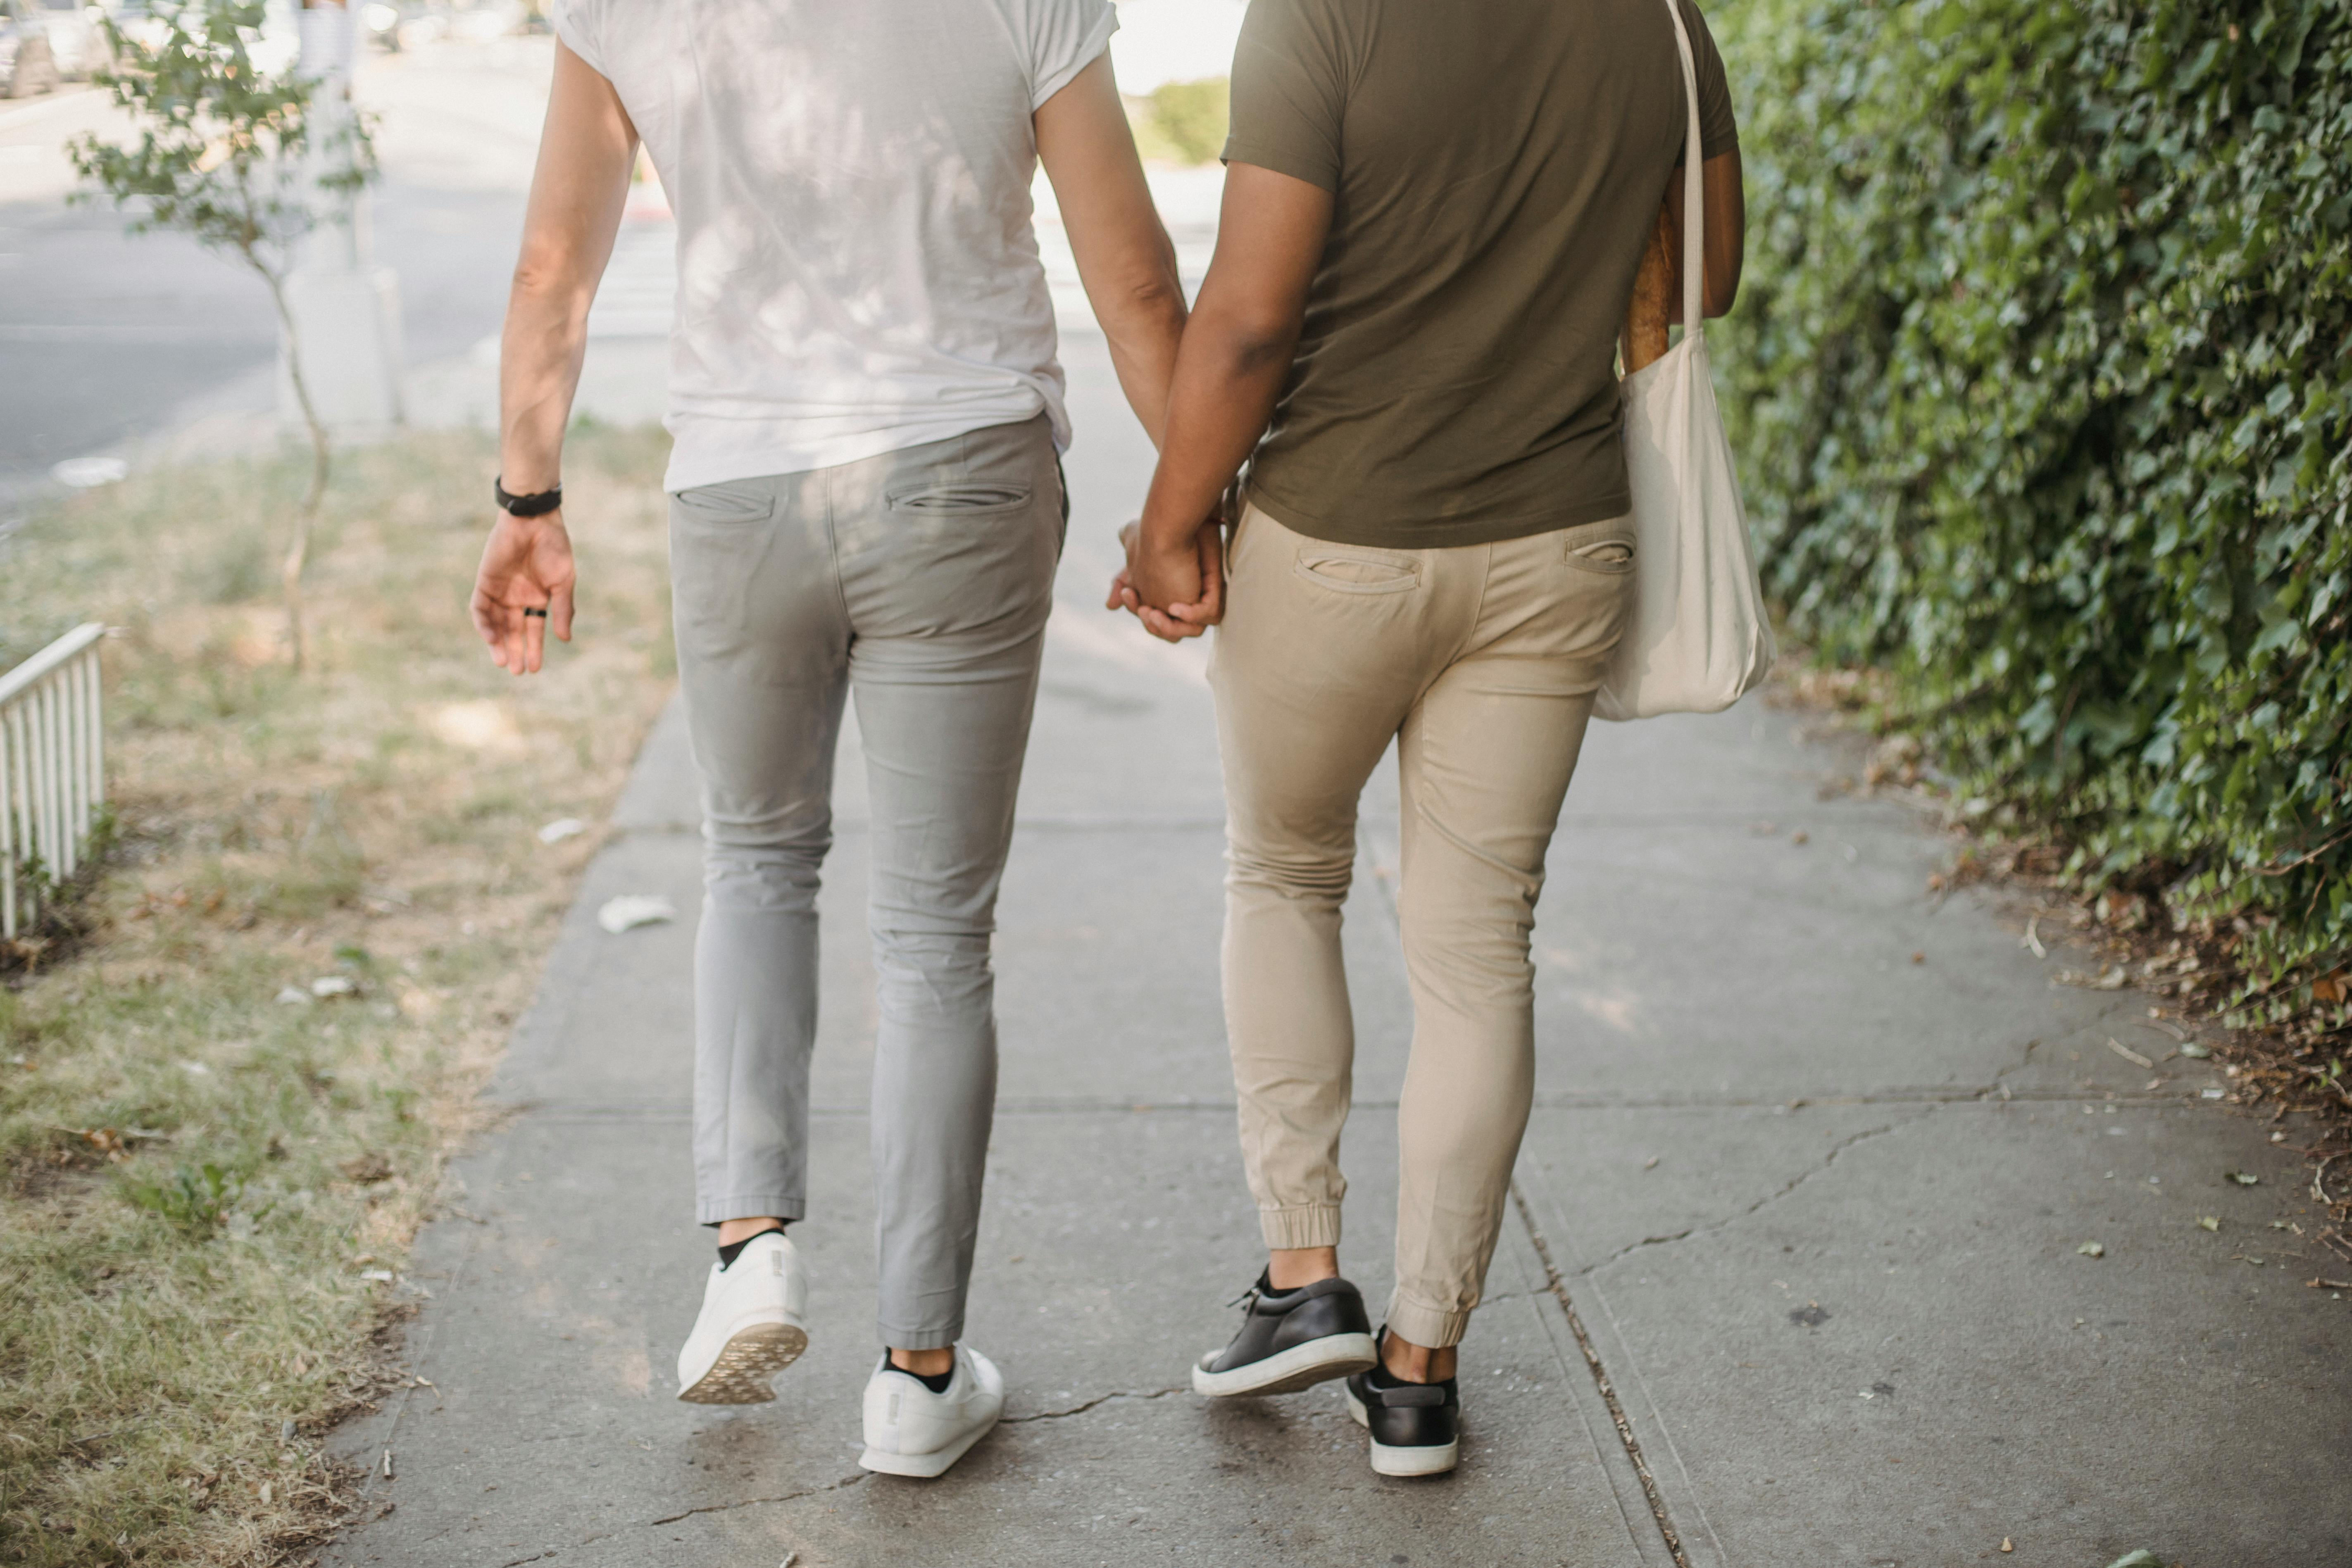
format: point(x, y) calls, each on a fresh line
point(1029, 19)
point(1332, 34)
point(1334, 17)
point(1056, 39)
point(1702, 38)
point(592, 29)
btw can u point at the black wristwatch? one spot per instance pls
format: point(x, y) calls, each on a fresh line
point(527, 506)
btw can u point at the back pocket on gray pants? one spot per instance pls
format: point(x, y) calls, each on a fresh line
point(961, 497)
point(735, 501)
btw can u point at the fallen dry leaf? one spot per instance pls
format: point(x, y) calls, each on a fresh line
point(626, 912)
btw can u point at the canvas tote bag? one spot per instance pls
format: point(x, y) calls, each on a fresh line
point(1699, 637)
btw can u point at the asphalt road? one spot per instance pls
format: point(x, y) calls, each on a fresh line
point(106, 336)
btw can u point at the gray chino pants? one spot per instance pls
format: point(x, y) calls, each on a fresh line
point(919, 581)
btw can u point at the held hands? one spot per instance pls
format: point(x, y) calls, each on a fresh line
point(524, 589)
point(1177, 590)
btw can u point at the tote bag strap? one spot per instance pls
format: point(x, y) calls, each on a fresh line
point(1694, 199)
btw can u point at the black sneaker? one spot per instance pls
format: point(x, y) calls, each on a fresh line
point(1290, 1340)
point(1417, 1427)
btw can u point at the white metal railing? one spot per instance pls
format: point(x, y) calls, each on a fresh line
point(52, 772)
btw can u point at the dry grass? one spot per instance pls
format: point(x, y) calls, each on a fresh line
point(199, 1177)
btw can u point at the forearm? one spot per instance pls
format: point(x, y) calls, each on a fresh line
point(539, 357)
point(1230, 370)
point(577, 193)
point(1144, 324)
point(1227, 379)
point(1116, 236)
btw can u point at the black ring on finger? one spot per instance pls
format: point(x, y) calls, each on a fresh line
point(535, 610)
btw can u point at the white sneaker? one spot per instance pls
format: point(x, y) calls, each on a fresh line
point(910, 1431)
point(752, 1326)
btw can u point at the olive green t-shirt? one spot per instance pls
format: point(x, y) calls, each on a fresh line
point(1497, 165)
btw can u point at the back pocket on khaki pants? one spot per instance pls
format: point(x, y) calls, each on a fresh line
point(1346, 571)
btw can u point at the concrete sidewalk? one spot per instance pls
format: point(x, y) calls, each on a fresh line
point(1814, 1159)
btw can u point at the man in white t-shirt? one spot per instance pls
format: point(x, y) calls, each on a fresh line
point(867, 501)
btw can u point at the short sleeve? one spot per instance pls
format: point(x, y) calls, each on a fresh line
point(1719, 132)
point(1063, 37)
point(1289, 91)
point(579, 25)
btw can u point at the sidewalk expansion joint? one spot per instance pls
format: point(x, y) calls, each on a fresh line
point(1625, 1438)
point(545, 1110)
point(849, 1481)
point(1089, 1405)
point(1709, 1228)
point(641, 832)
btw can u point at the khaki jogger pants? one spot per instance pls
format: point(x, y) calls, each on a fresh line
point(1481, 661)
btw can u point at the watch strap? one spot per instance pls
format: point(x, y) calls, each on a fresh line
point(527, 506)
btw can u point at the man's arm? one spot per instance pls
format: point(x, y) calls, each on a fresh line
point(1231, 369)
point(577, 192)
point(1657, 301)
point(1725, 239)
point(1123, 257)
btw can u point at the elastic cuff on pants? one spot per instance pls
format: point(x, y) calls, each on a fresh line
point(752, 1205)
point(1427, 1327)
point(919, 1339)
point(1315, 1226)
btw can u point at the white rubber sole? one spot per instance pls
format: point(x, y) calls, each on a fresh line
point(746, 1364)
point(921, 1466)
point(1433, 1460)
point(1287, 1372)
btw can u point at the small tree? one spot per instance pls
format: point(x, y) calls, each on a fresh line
point(243, 162)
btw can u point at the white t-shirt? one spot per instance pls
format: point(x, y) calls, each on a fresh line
point(856, 269)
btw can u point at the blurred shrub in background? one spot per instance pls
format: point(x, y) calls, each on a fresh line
point(2044, 392)
point(1181, 122)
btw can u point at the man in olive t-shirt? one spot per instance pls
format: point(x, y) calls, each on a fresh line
point(1494, 171)
point(1434, 215)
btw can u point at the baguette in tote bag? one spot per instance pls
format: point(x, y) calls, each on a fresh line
point(1699, 637)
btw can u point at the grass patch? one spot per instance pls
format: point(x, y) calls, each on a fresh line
point(198, 1179)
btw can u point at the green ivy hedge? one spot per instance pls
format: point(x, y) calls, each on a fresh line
point(2042, 380)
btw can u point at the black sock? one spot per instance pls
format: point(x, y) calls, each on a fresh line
point(732, 1250)
point(937, 1381)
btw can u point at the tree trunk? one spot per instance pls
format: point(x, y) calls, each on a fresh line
point(298, 550)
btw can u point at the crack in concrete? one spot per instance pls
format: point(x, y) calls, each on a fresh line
point(1710, 1226)
point(850, 1480)
point(553, 1550)
point(2000, 1084)
point(1089, 1405)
